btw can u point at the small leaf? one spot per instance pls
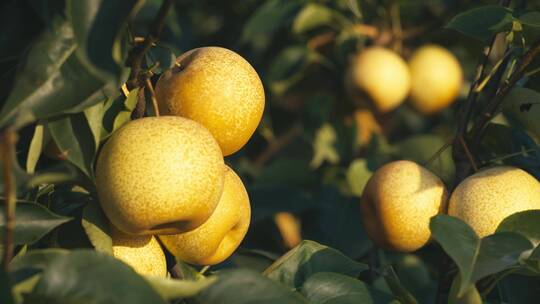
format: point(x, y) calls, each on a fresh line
point(470, 296)
point(526, 223)
point(170, 289)
point(39, 139)
point(124, 116)
point(254, 289)
point(476, 258)
point(269, 17)
point(358, 175)
point(73, 136)
point(323, 147)
point(531, 19)
point(329, 287)
point(482, 22)
point(308, 258)
point(96, 226)
point(161, 58)
point(32, 222)
point(315, 15)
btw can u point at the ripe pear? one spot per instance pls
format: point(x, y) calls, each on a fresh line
point(486, 198)
point(159, 175)
point(523, 106)
point(220, 235)
point(436, 78)
point(142, 252)
point(398, 202)
point(217, 88)
point(383, 75)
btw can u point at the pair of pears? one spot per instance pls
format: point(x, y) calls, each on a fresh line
point(166, 175)
point(432, 78)
point(401, 197)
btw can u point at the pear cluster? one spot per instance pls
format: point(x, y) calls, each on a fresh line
point(432, 78)
point(401, 197)
point(165, 176)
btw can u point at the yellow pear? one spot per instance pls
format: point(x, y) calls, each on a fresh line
point(436, 78)
point(217, 238)
point(217, 88)
point(485, 198)
point(159, 175)
point(142, 252)
point(398, 202)
point(383, 75)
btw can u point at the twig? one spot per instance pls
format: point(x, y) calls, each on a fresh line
point(137, 53)
point(468, 153)
point(8, 140)
point(276, 145)
point(397, 31)
point(152, 93)
point(494, 105)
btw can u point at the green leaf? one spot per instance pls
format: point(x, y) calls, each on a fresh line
point(32, 222)
point(37, 259)
point(124, 116)
point(358, 175)
point(39, 140)
point(328, 287)
point(315, 15)
point(73, 136)
point(99, 30)
point(422, 148)
point(397, 288)
point(470, 296)
point(53, 80)
point(476, 258)
point(243, 286)
point(269, 17)
point(526, 223)
point(531, 19)
point(286, 170)
point(324, 147)
point(24, 287)
point(522, 105)
point(161, 58)
point(96, 226)
point(482, 22)
point(85, 276)
point(170, 289)
point(6, 294)
point(308, 258)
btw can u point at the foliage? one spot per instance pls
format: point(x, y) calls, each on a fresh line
point(64, 67)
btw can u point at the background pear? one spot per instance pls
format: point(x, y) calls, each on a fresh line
point(217, 88)
point(398, 202)
point(217, 238)
point(142, 252)
point(383, 75)
point(159, 174)
point(484, 199)
point(436, 78)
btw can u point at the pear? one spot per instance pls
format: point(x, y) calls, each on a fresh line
point(484, 199)
point(217, 88)
point(398, 202)
point(216, 239)
point(159, 175)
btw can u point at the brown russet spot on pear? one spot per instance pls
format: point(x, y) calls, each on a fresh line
point(398, 202)
point(383, 75)
point(159, 175)
point(436, 78)
point(142, 252)
point(216, 239)
point(217, 88)
point(484, 199)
